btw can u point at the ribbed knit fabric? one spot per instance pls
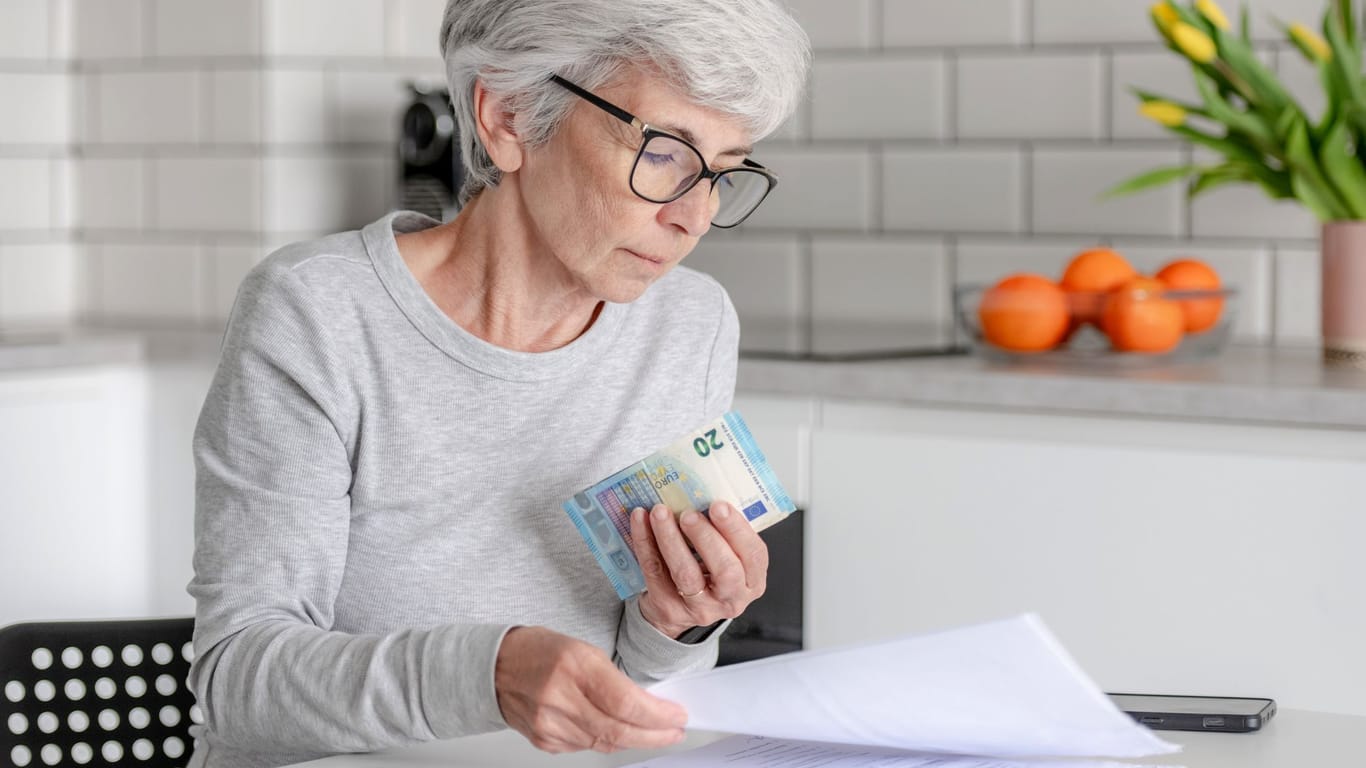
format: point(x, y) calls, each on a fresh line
point(378, 497)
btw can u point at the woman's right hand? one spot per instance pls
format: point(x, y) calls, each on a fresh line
point(565, 695)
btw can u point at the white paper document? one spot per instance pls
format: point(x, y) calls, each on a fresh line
point(1001, 689)
point(763, 752)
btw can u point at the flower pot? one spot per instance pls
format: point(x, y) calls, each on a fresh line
point(1344, 293)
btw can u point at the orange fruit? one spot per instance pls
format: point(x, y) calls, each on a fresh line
point(1138, 318)
point(1024, 313)
point(1089, 276)
point(1194, 275)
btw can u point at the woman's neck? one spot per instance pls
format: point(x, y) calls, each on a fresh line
point(491, 275)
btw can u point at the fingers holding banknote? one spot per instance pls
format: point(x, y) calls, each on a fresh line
point(565, 695)
point(698, 569)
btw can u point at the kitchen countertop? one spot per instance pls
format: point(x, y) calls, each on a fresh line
point(1287, 387)
point(1244, 384)
point(41, 350)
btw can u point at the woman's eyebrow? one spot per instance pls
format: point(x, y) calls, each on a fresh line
point(691, 138)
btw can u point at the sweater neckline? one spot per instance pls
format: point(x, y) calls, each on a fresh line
point(458, 343)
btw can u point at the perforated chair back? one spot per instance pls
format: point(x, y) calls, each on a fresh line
point(96, 693)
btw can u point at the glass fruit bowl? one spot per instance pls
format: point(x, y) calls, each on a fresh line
point(1135, 325)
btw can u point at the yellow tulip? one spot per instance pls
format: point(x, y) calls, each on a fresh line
point(1310, 42)
point(1211, 11)
point(1164, 15)
point(1163, 112)
point(1195, 44)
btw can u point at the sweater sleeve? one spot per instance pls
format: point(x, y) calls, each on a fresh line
point(272, 519)
point(643, 652)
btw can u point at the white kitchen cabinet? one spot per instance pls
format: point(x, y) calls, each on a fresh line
point(75, 536)
point(97, 490)
point(1173, 557)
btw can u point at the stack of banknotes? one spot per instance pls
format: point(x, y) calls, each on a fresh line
point(716, 462)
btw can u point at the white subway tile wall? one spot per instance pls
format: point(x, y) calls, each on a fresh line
point(112, 193)
point(863, 286)
point(951, 23)
point(765, 277)
point(37, 283)
point(880, 98)
point(842, 24)
point(1068, 184)
point(25, 33)
point(412, 28)
point(1298, 282)
point(110, 29)
point(198, 28)
point(233, 106)
point(295, 107)
point(144, 108)
point(164, 146)
point(147, 281)
point(207, 194)
point(1030, 96)
point(325, 193)
point(342, 29)
point(41, 111)
point(953, 190)
point(26, 194)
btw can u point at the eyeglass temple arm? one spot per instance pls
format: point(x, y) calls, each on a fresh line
point(606, 106)
point(621, 114)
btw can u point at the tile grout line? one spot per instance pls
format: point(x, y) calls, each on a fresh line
point(1107, 95)
point(808, 290)
point(876, 183)
point(951, 100)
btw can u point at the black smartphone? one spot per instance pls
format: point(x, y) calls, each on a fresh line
point(1230, 714)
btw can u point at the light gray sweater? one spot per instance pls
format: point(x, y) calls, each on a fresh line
point(378, 497)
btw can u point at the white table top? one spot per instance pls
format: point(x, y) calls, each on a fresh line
point(1292, 739)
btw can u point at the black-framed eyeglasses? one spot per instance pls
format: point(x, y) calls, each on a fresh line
point(667, 167)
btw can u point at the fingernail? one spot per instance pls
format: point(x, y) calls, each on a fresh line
point(660, 513)
point(638, 515)
point(690, 517)
point(720, 511)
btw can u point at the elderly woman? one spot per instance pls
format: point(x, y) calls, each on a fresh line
point(381, 556)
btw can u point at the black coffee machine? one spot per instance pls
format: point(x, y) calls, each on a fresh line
point(429, 154)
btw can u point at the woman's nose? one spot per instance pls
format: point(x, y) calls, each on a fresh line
point(693, 211)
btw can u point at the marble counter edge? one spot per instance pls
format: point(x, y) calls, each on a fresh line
point(1247, 386)
point(1263, 388)
point(37, 351)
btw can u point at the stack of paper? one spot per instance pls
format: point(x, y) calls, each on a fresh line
point(1004, 689)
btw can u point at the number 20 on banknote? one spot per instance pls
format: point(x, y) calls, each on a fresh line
point(719, 461)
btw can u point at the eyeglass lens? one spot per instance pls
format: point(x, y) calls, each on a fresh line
point(667, 167)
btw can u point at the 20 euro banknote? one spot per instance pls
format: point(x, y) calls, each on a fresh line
point(716, 462)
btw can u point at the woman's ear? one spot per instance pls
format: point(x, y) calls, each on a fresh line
point(494, 125)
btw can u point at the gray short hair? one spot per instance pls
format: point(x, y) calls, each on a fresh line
point(746, 58)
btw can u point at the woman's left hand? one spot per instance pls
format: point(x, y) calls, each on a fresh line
point(680, 591)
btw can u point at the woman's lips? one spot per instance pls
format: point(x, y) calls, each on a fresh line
point(644, 257)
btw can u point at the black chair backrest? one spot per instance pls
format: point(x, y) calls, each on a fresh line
point(96, 693)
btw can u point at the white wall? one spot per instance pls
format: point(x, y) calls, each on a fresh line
point(38, 249)
point(218, 130)
point(957, 140)
point(944, 140)
point(151, 151)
